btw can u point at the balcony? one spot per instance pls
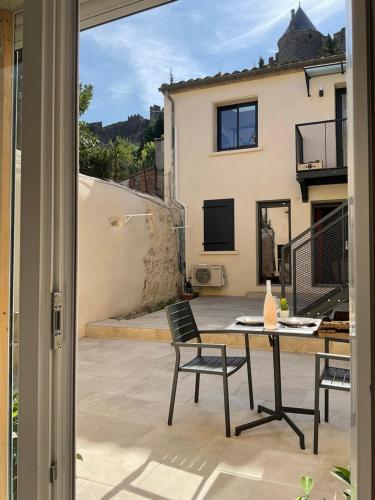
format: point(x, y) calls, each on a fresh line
point(321, 154)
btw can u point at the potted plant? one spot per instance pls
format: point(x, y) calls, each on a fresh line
point(341, 473)
point(284, 308)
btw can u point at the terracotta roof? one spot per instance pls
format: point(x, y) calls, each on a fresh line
point(246, 74)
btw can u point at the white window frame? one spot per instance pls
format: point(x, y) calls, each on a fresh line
point(48, 238)
point(359, 45)
point(47, 248)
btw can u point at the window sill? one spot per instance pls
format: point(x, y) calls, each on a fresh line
point(218, 252)
point(236, 151)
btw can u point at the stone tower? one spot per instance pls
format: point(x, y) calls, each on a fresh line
point(301, 40)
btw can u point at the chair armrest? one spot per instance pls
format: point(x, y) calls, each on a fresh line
point(201, 345)
point(328, 355)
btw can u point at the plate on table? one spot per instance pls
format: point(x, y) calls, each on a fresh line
point(250, 320)
point(297, 322)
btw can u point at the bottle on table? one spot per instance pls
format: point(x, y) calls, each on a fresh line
point(269, 310)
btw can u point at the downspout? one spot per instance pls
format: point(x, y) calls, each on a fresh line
point(174, 183)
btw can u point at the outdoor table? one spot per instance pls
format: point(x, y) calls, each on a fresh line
point(280, 411)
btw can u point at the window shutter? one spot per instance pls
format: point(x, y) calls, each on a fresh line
point(218, 225)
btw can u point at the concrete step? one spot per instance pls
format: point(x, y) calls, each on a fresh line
point(101, 330)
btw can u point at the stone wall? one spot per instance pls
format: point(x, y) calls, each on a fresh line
point(133, 129)
point(340, 41)
point(150, 181)
point(124, 267)
point(299, 46)
point(143, 181)
point(159, 165)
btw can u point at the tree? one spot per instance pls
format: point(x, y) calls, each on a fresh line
point(329, 46)
point(123, 158)
point(154, 130)
point(93, 159)
point(118, 159)
point(148, 155)
point(86, 93)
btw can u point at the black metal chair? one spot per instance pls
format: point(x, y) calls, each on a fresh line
point(329, 378)
point(184, 329)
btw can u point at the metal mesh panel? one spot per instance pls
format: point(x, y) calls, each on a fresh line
point(315, 264)
point(323, 142)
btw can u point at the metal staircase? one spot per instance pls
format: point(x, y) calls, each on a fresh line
point(314, 266)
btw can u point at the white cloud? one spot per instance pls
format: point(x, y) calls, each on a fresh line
point(147, 59)
point(250, 22)
point(128, 60)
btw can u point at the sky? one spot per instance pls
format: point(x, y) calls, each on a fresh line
point(127, 60)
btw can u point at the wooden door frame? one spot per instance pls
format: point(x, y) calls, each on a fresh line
point(6, 107)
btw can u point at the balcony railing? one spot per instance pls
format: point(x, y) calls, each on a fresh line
point(321, 145)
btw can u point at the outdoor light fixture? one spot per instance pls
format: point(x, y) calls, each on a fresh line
point(321, 91)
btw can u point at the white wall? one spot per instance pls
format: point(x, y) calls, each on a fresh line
point(122, 269)
point(248, 175)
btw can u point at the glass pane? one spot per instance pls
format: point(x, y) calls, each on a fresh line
point(274, 234)
point(18, 89)
point(247, 125)
point(228, 132)
point(10, 169)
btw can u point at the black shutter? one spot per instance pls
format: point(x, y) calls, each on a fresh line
point(218, 225)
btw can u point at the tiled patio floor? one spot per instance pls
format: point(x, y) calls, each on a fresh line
point(130, 453)
point(210, 312)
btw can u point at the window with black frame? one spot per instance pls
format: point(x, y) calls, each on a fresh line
point(237, 126)
point(273, 233)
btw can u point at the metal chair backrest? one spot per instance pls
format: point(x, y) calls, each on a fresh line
point(181, 322)
point(327, 341)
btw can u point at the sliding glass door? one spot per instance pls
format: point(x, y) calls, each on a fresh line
point(43, 235)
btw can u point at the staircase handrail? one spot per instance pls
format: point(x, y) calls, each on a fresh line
point(316, 224)
point(315, 229)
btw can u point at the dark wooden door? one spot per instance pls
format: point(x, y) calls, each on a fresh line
point(328, 246)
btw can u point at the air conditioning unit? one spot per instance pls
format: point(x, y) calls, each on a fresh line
point(208, 275)
point(313, 165)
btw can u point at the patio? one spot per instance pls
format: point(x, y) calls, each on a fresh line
point(210, 312)
point(130, 452)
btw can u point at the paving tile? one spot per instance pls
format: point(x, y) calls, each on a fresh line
point(131, 453)
point(91, 490)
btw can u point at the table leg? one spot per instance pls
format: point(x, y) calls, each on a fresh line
point(300, 411)
point(280, 411)
point(299, 433)
point(276, 371)
point(264, 409)
point(249, 376)
point(253, 424)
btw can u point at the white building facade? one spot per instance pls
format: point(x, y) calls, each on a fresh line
point(249, 175)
